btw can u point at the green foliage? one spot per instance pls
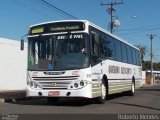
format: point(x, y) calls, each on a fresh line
point(146, 65)
point(142, 51)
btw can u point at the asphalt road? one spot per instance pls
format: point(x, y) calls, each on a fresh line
point(145, 101)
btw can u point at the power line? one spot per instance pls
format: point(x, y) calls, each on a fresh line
point(154, 27)
point(140, 24)
point(139, 31)
point(29, 7)
point(48, 10)
point(58, 9)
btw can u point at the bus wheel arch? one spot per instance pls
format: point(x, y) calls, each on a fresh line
point(105, 79)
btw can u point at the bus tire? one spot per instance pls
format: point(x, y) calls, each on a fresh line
point(102, 98)
point(52, 99)
point(132, 91)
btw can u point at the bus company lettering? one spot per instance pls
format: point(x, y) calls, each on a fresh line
point(119, 70)
point(125, 70)
point(62, 37)
point(114, 69)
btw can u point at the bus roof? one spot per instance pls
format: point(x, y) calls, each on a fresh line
point(89, 23)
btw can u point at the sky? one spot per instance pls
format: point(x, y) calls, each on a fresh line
point(138, 18)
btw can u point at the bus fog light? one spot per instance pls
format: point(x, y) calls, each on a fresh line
point(76, 85)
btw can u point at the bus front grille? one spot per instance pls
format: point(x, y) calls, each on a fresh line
point(55, 82)
point(54, 85)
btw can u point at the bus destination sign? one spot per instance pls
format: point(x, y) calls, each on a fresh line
point(37, 30)
point(64, 28)
point(57, 27)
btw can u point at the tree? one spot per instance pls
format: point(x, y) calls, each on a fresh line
point(146, 65)
point(156, 66)
point(142, 50)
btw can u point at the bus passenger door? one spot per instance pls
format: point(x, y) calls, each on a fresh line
point(95, 57)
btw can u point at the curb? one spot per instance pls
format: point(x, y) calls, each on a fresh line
point(2, 100)
point(149, 85)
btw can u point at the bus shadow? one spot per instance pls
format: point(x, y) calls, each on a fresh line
point(117, 95)
point(74, 102)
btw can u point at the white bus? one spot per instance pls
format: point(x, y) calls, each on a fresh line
point(75, 58)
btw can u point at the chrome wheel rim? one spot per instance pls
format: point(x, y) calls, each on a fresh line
point(103, 91)
point(133, 87)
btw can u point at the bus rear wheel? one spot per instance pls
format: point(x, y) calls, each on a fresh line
point(102, 98)
point(132, 91)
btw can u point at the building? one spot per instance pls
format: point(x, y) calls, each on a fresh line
point(147, 77)
point(13, 65)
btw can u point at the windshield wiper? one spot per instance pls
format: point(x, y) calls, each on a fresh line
point(37, 54)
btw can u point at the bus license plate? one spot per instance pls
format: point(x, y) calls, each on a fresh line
point(53, 93)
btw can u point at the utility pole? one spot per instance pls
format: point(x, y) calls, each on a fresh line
point(151, 38)
point(110, 11)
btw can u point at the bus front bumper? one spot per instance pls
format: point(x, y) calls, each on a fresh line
point(85, 92)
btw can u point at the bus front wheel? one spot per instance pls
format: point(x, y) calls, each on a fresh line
point(102, 98)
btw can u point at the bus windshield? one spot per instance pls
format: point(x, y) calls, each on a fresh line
point(59, 52)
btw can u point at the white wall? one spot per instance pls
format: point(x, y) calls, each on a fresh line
point(13, 65)
point(143, 77)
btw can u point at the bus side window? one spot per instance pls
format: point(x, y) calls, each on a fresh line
point(124, 53)
point(110, 48)
point(134, 56)
point(118, 51)
point(102, 47)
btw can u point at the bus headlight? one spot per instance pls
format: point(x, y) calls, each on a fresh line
point(78, 84)
point(33, 85)
point(82, 83)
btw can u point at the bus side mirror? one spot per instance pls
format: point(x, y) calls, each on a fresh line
point(22, 44)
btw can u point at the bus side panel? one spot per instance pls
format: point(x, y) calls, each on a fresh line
point(120, 75)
